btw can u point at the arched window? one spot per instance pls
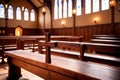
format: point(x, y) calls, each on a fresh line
point(2, 11)
point(60, 9)
point(10, 12)
point(96, 5)
point(32, 15)
point(65, 9)
point(105, 4)
point(78, 5)
point(87, 6)
point(26, 16)
point(56, 9)
point(70, 8)
point(18, 13)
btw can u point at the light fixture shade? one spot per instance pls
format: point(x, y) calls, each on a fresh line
point(6, 5)
point(23, 8)
point(112, 3)
point(62, 22)
point(74, 11)
point(43, 10)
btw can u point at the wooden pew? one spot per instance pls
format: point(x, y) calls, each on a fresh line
point(94, 36)
point(108, 38)
point(14, 42)
point(60, 38)
point(99, 47)
point(60, 68)
point(77, 50)
point(31, 43)
point(84, 46)
point(35, 63)
point(67, 38)
point(105, 35)
point(105, 41)
point(9, 43)
point(56, 67)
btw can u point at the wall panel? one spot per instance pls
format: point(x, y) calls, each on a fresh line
point(88, 31)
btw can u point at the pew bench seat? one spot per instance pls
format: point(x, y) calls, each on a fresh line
point(108, 38)
point(105, 41)
point(61, 68)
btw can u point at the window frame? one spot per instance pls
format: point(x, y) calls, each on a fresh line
point(32, 14)
point(18, 13)
point(2, 13)
point(10, 12)
point(26, 14)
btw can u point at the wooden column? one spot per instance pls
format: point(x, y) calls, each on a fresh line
point(74, 24)
point(74, 17)
point(6, 19)
point(113, 19)
point(112, 6)
point(44, 12)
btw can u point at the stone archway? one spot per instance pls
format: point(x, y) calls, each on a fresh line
point(18, 31)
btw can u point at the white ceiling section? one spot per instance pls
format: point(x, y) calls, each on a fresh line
point(37, 3)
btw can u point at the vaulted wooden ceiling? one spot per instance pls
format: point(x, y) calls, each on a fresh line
point(37, 3)
point(40, 3)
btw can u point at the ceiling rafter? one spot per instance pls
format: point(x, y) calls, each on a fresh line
point(32, 4)
point(40, 2)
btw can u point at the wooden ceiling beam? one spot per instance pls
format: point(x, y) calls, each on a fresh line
point(32, 4)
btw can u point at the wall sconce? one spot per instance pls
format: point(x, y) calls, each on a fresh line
point(95, 20)
point(3, 31)
point(74, 11)
point(63, 23)
point(43, 11)
point(112, 3)
point(6, 5)
point(23, 8)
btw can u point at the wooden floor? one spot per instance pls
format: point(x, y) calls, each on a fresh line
point(25, 74)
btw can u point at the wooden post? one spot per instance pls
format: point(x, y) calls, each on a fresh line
point(14, 72)
point(82, 51)
point(40, 49)
point(21, 44)
point(3, 50)
point(74, 26)
point(112, 19)
point(44, 12)
point(48, 53)
point(6, 20)
point(74, 17)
